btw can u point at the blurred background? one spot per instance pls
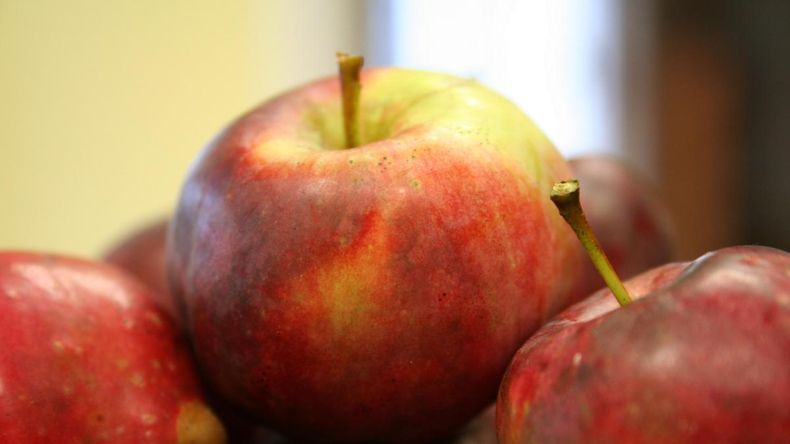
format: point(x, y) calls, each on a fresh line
point(103, 105)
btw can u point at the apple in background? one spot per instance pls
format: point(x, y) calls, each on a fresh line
point(631, 223)
point(142, 254)
point(377, 292)
point(87, 356)
point(702, 356)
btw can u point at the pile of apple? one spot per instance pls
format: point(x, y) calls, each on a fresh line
point(373, 260)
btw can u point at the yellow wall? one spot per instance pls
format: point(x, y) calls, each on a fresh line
point(104, 104)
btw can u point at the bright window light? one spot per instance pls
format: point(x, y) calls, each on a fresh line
point(559, 60)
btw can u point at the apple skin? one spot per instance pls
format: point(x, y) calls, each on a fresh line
point(628, 218)
point(374, 293)
point(87, 356)
point(142, 254)
point(702, 356)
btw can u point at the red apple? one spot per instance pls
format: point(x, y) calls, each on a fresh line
point(631, 223)
point(371, 293)
point(87, 356)
point(142, 254)
point(702, 356)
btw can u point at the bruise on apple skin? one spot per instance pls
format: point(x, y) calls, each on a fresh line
point(652, 372)
point(87, 356)
point(349, 293)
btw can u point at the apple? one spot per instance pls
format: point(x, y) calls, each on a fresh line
point(374, 292)
point(700, 356)
point(142, 254)
point(630, 221)
point(88, 356)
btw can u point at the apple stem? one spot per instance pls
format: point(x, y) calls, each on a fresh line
point(349, 67)
point(565, 195)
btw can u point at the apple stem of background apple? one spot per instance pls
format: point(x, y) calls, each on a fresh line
point(565, 195)
point(349, 67)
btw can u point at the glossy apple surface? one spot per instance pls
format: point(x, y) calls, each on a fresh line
point(142, 254)
point(628, 218)
point(87, 356)
point(377, 292)
point(702, 356)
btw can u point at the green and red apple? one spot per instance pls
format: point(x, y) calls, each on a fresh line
point(373, 292)
point(89, 357)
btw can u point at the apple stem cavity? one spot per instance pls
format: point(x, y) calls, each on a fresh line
point(565, 195)
point(349, 68)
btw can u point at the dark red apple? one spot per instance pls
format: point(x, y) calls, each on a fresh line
point(87, 356)
point(142, 254)
point(702, 356)
point(371, 293)
point(632, 225)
